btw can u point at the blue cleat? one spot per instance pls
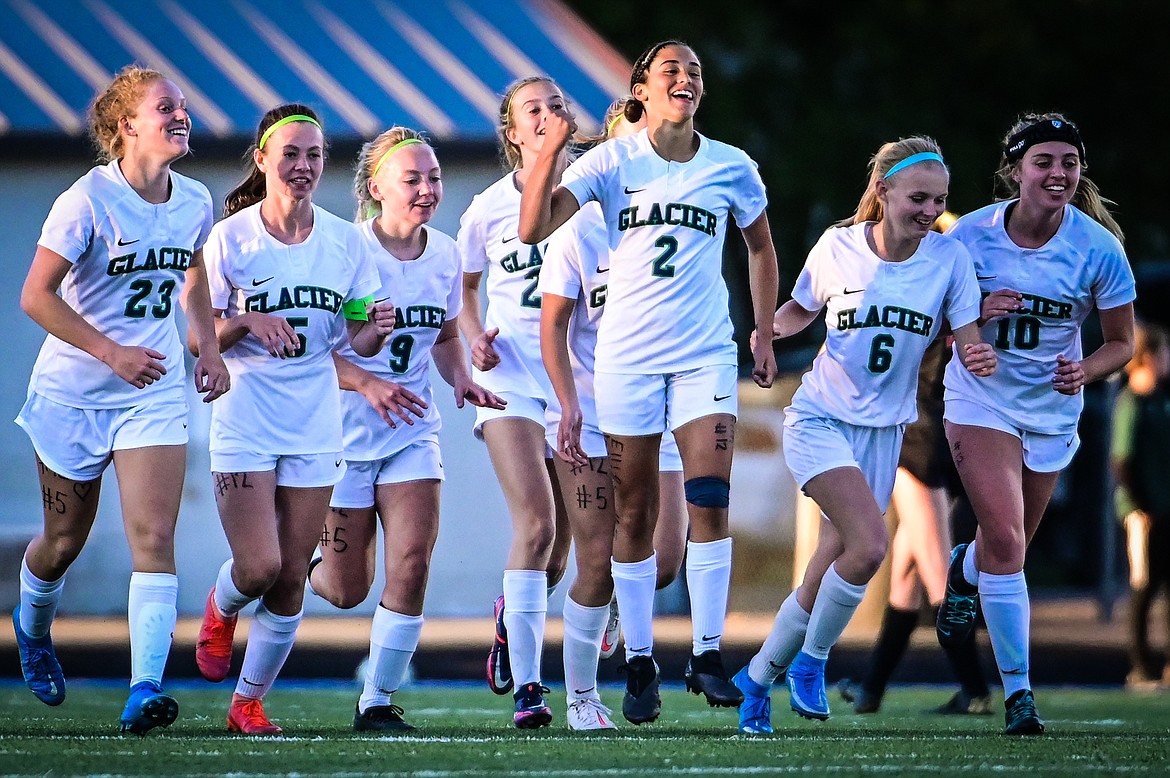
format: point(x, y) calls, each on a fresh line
point(755, 712)
point(38, 662)
point(806, 687)
point(148, 707)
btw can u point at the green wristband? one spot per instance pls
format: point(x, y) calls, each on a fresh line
point(355, 310)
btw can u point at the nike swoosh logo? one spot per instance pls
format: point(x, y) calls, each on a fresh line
point(266, 280)
point(250, 683)
point(983, 278)
point(634, 191)
point(384, 299)
point(337, 463)
point(583, 692)
point(1068, 444)
point(642, 650)
point(128, 242)
point(853, 291)
point(775, 666)
point(38, 607)
point(718, 399)
point(509, 240)
point(713, 637)
point(603, 270)
point(52, 687)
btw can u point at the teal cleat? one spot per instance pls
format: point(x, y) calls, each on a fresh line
point(38, 662)
point(755, 712)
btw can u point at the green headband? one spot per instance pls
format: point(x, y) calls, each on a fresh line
point(296, 117)
point(613, 123)
point(391, 150)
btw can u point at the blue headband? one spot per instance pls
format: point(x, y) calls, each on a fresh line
point(914, 159)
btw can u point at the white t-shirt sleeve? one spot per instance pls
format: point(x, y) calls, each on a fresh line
point(1114, 285)
point(470, 240)
point(69, 227)
point(214, 254)
point(751, 198)
point(584, 179)
point(562, 255)
point(366, 281)
point(808, 292)
point(963, 300)
point(208, 219)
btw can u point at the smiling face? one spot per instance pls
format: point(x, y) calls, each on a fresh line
point(913, 199)
point(531, 104)
point(409, 185)
point(673, 84)
point(292, 160)
point(160, 125)
point(1048, 174)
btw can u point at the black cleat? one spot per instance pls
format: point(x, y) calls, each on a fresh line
point(963, 704)
point(1020, 716)
point(531, 710)
point(862, 700)
point(960, 605)
point(705, 675)
point(642, 703)
point(380, 718)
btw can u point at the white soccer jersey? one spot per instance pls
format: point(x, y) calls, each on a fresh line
point(129, 262)
point(575, 253)
point(285, 406)
point(1083, 266)
point(489, 243)
point(426, 292)
point(880, 317)
point(666, 222)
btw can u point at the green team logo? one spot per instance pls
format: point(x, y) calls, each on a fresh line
point(317, 297)
point(529, 297)
point(676, 214)
point(1021, 331)
point(881, 354)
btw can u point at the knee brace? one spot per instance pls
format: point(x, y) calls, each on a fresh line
point(707, 492)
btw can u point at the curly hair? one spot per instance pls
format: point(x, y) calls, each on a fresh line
point(118, 101)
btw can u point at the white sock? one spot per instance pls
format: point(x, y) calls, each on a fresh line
point(836, 602)
point(970, 568)
point(1004, 599)
point(525, 609)
point(708, 579)
point(584, 628)
point(152, 615)
point(633, 585)
point(270, 639)
point(228, 598)
point(393, 640)
point(782, 643)
point(38, 602)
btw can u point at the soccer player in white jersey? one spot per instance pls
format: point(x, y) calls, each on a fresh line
point(666, 361)
point(885, 281)
point(572, 286)
point(1046, 254)
point(390, 425)
point(505, 355)
point(283, 273)
point(114, 254)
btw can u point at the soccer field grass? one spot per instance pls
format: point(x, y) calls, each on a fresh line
point(465, 731)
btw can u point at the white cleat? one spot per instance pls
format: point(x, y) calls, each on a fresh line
point(589, 714)
point(612, 634)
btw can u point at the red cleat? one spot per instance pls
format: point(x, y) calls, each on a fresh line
point(213, 651)
point(246, 716)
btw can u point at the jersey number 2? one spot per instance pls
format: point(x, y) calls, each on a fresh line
point(661, 266)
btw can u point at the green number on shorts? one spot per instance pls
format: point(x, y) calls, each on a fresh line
point(529, 297)
point(1026, 336)
point(142, 287)
point(299, 321)
point(880, 356)
point(400, 349)
point(662, 266)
